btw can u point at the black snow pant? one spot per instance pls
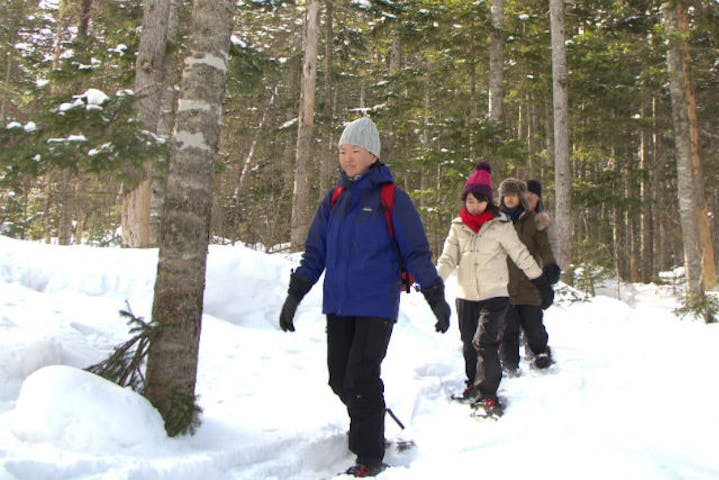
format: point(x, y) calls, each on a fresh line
point(356, 347)
point(530, 319)
point(481, 325)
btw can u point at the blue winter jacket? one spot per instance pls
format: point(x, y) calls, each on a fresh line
point(352, 244)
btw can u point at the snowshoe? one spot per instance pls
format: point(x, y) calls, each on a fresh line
point(361, 471)
point(486, 407)
point(466, 396)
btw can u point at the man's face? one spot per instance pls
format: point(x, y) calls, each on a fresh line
point(532, 198)
point(355, 160)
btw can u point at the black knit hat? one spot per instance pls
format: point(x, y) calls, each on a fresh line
point(534, 187)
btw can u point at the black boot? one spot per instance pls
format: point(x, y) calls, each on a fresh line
point(543, 360)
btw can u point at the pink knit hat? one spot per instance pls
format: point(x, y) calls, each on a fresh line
point(479, 183)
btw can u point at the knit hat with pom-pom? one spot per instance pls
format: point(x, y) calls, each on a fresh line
point(479, 183)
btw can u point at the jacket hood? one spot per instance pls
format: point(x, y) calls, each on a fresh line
point(542, 220)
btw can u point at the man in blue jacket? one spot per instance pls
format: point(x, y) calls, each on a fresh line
point(351, 242)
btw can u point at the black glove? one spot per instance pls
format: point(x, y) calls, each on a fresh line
point(288, 314)
point(545, 291)
point(435, 298)
point(552, 273)
point(299, 286)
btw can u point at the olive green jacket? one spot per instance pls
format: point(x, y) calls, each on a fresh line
point(531, 229)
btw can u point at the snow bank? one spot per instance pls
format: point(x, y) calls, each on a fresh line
point(77, 410)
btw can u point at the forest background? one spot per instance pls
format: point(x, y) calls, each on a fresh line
point(421, 69)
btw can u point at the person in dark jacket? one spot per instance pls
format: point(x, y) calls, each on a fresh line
point(536, 204)
point(351, 243)
point(524, 313)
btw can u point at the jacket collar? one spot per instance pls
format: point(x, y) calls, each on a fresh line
point(378, 174)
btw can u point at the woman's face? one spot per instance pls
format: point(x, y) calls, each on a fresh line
point(474, 206)
point(355, 160)
point(511, 200)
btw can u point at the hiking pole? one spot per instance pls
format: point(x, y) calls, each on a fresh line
point(394, 417)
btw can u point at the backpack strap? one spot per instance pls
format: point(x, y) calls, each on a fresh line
point(336, 192)
point(387, 199)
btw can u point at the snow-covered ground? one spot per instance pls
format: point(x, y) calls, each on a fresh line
point(633, 395)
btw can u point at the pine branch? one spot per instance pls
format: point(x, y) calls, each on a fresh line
point(125, 365)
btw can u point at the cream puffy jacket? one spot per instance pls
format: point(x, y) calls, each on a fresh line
point(482, 258)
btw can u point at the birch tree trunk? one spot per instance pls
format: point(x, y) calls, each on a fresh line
point(686, 185)
point(562, 167)
point(301, 191)
point(180, 283)
point(496, 62)
point(135, 218)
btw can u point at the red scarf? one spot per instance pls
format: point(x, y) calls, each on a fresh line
point(475, 222)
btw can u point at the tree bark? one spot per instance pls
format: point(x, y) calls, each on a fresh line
point(496, 62)
point(148, 89)
point(709, 269)
point(329, 150)
point(301, 191)
point(166, 119)
point(686, 185)
point(562, 167)
point(180, 283)
point(646, 208)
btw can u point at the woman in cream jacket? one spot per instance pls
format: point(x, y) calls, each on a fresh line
point(478, 244)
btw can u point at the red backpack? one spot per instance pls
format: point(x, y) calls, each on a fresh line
point(387, 200)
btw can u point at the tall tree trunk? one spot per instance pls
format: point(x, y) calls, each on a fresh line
point(148, 88)
point(12, 22)
point(686, 181)
point(660, 196)
point(67, 194)
point(171, 78)
point(709, 269)
point(395, 60)
point(646, 208)
point(473, 108)
point(496, 62)
point(562, 167)
point(328, 156)
point(180, 283)
point(301, 191)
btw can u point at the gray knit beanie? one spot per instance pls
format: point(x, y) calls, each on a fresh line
point(362, 133)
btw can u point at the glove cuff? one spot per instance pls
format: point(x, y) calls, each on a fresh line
point(435, 293)
point(299, 286)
